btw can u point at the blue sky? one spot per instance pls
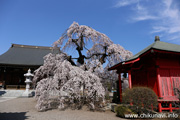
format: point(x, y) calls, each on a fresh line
point(130, 23)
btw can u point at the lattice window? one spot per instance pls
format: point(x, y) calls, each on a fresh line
point(169, 79)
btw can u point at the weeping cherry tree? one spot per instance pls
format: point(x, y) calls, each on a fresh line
point(73, 81)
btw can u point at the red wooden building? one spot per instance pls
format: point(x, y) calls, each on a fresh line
point(157, 67)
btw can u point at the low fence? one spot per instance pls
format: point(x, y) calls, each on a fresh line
point(2, 85)
point(22, 87)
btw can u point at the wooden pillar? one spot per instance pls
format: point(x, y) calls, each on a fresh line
point(120, 88)
point(159, 83)
point(129, 78)
point(170, 107)
point(160, 107)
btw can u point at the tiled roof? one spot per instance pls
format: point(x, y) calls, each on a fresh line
point(25, 55)
point(158, 45)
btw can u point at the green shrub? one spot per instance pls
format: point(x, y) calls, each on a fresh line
point(142, 98)
point(122, 110)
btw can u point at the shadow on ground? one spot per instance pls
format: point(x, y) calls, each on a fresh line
point(13, 116)
point(2, 92)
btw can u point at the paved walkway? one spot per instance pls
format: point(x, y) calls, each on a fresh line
point(2, 99)
point(24, 109)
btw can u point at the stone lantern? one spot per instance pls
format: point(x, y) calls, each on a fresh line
point(28, 82)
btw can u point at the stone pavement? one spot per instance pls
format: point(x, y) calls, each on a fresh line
point(2, 99)
point(24, 109)
point(12, 93)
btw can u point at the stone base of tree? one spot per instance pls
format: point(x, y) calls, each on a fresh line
point(113, 106)
point(110, 106)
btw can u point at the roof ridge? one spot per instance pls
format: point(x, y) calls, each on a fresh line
point(141, 52)
point(30, 46)
point(166, 42)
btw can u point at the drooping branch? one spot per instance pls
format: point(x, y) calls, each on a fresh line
point(78, 86)
point(77, 35)
point(81, 42)
point(103, 55)
point(102, 59)
point(95, 54)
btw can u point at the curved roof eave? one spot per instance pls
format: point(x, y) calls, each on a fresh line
point(158, 45)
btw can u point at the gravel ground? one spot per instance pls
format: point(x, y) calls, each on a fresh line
point(24, 109)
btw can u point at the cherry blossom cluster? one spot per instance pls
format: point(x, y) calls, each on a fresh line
point(62, 82)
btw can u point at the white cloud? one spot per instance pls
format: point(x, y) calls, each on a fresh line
point(157, 29)
point(168, 3)
point(144, 17)
point(142, 14)
point(164, 15)
point(169, 20)
point(121, 3)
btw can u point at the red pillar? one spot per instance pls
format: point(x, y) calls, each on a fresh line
point(160, 107)
point(129, 77)
point(120, 88)
point(159, 83)
point(170, 107)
